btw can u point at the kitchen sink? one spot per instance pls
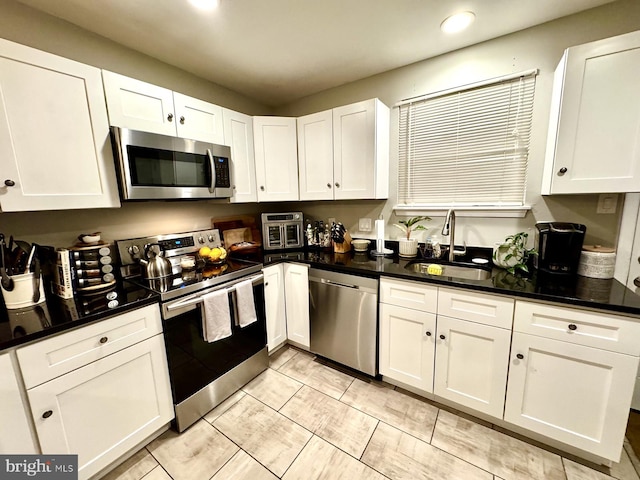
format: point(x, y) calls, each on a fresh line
point(469, 272)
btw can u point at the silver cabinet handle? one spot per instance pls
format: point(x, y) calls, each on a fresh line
point(181, 120)
point(170, 117)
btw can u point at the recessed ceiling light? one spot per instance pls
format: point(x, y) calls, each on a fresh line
point(205, 4)
point(457, 22)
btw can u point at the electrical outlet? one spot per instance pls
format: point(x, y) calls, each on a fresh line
point(607, 203)
point(364, 225)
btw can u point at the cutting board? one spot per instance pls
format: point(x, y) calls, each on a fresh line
point(236, 235)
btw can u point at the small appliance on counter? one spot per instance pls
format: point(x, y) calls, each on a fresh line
point(559, 246)
point(282, 230)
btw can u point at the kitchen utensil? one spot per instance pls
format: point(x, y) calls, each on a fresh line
point(155, 265)
point(30, 259)
point(36, 280)
point(6, 281)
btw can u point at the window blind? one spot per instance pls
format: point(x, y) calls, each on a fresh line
point(467, 147)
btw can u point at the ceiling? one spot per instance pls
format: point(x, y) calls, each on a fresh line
point(277, 51)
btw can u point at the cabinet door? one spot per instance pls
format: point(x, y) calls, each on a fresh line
point(106, 408)
point(274, 306)
point(198, 120)
point(15, 434)
point(276, 158)
point(139, 105)
point(597, 134)
point(238, 134)
point(407, 345)
point(54, 133)
point(296, 291)
point(471, 364)
point(315, 156)
point(574, 394)
point(361, 150)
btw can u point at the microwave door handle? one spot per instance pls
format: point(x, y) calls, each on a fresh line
point(212, 166)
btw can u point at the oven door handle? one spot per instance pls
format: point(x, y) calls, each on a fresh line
point(199, 298)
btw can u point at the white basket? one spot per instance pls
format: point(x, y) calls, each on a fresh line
point(22, 294)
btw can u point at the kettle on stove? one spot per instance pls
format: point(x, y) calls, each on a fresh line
point(155, 265)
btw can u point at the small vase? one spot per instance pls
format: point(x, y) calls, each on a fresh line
point(408, 248)
point(503, 250)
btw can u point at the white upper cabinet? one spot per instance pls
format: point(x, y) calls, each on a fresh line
point(276, 158)
point(594, 129)
point(315, 156)
point(361, 150)
point(55, 151)
point(238, 134)
point(344, 152)
point(142, 106)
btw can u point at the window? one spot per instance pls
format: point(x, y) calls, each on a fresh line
point(467, 147)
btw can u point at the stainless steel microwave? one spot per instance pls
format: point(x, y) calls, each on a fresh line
point(159, 167)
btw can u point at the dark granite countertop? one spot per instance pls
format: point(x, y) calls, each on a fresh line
point(580, 291)
point(23, 325)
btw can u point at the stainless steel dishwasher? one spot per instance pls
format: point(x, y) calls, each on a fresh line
point(343, 311)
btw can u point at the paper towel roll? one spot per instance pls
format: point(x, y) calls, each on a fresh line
point(380, 235)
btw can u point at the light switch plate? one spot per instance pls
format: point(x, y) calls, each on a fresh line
point(607, 203)
point(364, 225)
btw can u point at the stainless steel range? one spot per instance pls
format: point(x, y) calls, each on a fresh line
point(202, 373)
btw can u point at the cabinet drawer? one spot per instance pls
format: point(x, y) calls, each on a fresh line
point(58, 355)
point(476, 307)
point(409, 294)
point(594, 329)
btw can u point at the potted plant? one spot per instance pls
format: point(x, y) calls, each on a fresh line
point(408, 247)
point(513, 254)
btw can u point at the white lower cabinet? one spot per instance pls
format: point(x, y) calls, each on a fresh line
point(109, 405)
point(575, 394)
point(407, 345)
point(275, 312)
point(15, 434)
point(471, 364)
point(296, 293)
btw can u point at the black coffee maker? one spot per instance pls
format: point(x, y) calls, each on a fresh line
point(559, 247)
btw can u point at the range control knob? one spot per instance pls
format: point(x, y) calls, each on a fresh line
point(201, 239)
point(133, 250)
point(210, 237)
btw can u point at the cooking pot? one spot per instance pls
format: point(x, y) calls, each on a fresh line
point(155, 265)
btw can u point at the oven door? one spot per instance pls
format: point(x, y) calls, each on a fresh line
point(196, 365)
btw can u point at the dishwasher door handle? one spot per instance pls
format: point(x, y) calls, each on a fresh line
point(337, 284)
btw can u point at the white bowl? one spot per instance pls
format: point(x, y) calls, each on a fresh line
point(360, 245)
point(90, 238)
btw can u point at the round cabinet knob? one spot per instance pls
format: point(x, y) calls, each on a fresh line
point(233, 186)
point(572, 326)
point(104, 340)
point(170, 117)
point(337, 185)
point(428, 334)
point(562, 171)
point(262, 188)
point(520, 356)
point(181, 120)
point(266, 284)
point(442, 337)
point(9, 183)
point(47, 414)
point(328, 185)
point(200, 239)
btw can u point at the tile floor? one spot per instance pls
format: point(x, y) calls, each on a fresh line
point(303, 419)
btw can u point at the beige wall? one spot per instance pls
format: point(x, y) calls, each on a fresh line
point(539, 47)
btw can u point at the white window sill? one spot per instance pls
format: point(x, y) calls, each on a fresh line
point(462, 211)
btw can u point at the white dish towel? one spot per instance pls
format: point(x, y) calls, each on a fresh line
point(245, 302)
point(216, 316)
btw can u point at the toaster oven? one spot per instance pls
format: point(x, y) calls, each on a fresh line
point(282, 231)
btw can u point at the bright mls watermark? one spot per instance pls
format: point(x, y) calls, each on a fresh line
point(49, 467)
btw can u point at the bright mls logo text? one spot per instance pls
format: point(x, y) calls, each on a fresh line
point(59, 467)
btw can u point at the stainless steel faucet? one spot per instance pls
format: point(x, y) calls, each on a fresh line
point(449, 229)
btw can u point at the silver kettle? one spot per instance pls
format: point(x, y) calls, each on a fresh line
point(154, 264)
